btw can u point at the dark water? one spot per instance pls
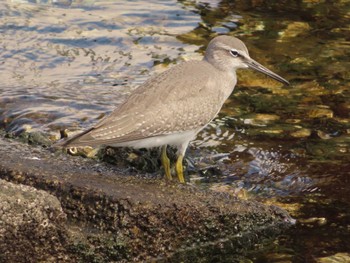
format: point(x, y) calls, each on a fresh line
point(64, 64)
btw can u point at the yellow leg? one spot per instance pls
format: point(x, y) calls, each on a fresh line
point(166, 163)
point(179, 169)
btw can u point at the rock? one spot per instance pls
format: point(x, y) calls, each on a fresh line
point(249, 78)
point(272, 131)
point(323, 135)
point(336, 258)
point(312, 87)
point(314, 221)
point(295, 29)
point(301, 133)
point(113, 216)
point(321, 111)
point(260, 119)
point(32, 225)
point(293, 121)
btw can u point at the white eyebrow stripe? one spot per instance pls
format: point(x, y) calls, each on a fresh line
point(224, 46)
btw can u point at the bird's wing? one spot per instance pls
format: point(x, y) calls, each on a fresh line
point(173, 101)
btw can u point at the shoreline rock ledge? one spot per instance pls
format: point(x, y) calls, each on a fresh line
point(60, 208)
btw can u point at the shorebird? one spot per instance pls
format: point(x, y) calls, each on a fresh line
point(172, 107)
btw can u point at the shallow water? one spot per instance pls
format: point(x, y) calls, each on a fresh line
point(64, 64)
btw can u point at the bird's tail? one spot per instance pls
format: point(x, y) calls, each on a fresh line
point(72, 142)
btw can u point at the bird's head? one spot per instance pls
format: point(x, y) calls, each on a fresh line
point(229, 53)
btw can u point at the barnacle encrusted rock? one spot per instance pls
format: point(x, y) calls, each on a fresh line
point(112, 216)
point(31, 224)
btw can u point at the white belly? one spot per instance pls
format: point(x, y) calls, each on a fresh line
point(175, 139)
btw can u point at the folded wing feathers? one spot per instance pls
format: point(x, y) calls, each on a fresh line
point(144, 115)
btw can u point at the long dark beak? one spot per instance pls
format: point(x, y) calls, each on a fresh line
point(258, 67)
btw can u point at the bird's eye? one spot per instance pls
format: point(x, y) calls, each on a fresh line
point(234, 53)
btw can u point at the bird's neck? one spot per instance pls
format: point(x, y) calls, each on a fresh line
point(216, 61)
point(227, 80)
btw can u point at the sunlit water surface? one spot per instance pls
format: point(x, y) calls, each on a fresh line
point(65, 64)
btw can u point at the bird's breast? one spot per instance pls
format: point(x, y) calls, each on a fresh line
point(225, 84)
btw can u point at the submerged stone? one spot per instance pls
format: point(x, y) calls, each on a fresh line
point(295, 29)
point(301, 133)
point(320, 111)
point(338, 257)
point(261, 119)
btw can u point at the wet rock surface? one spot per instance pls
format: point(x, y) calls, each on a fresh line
point(32, 225)
point(116, 217)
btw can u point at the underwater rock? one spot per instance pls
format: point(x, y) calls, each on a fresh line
point(321, 111)
point(301, 133)
point(296, 29)
point(338, 257)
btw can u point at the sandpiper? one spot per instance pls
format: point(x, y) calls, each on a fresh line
point(172, 107)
